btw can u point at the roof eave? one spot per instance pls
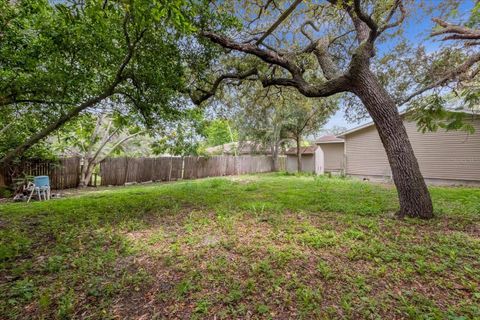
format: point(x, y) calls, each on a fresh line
point(368, 124)
point(324, 142)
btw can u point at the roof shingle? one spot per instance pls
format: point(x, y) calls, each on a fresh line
point(303, 150)
point(329, 139)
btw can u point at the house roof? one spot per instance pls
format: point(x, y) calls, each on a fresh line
point(368, 124)
point(329, 139)
point(303, 150)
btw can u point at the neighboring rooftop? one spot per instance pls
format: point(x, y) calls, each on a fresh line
point(329, 139)
point(303, 150)
point(244, 147)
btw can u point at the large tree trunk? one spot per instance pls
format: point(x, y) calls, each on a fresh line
point(86, 173)
point(299, 155)
point(413, 194)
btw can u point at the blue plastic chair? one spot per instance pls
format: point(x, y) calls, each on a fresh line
point(41, 185)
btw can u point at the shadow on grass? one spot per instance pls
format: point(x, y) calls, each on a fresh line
point(264, 246)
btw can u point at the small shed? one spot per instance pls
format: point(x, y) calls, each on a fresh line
point(312, 159)
point(333, 149)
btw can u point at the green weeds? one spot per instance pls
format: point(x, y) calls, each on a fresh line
point(264, 246)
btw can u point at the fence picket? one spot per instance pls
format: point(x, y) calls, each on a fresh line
point(65, 173)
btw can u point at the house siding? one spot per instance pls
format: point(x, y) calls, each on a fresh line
point(333, 156)
point(453, 155)
point(308, 163)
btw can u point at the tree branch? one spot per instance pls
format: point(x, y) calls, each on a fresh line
point(325, 89)
point(198, 99)
point(449, 76)
point(280, 19)
point(5, 128)
point(320, 50)
point(94, 136)
point(118, 144)
point(332, 86)
point(266, 55)
point(107, 92)
point(104, 143)
point(387, 25)
point(365, 17)
point(455, 32)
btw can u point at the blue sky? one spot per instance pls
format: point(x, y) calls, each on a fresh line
point(417, 28)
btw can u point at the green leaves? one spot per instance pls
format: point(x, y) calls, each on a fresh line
point(431, 113)
point(133, 54)
point(219, 132)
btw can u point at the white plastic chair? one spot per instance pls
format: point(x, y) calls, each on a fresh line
point(40, 185)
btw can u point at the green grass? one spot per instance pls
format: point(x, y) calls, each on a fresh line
point(262, 246)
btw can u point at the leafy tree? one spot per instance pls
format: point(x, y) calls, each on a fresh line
point(182, 137)
point(304, 117)
point(323, 49)
point(276, 116)
point(334, 130)
point(58, 60)
point(95, 139)
point(182, 140)
point(430, 114)
point(262, 120)
point(219, 132)
point(450, 83)
point(14, 128)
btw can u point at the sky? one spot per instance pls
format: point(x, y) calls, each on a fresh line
point(417, 29)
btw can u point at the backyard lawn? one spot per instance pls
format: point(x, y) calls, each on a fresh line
point(267, 246)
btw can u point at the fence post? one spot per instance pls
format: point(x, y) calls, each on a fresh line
point(2, 177)
point(126, 171)
point(182, 173)
point(235, 171)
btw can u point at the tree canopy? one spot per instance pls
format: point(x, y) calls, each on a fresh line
point(328, 48)
point(57, 60)
point(153, 58)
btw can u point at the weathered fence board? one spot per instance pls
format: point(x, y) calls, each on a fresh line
point(282, 163)
point(64, 173)
point(201, 167)
point(118, 171)
point(113, 171)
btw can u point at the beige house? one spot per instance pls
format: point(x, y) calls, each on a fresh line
point(333, 153)
point(312, 159)
point(451, 157)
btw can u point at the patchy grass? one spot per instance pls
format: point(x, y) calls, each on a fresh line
point(258, 247)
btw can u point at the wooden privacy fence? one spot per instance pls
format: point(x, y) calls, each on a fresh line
point(201, 167)
point(118, 171)
point(64, 173)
